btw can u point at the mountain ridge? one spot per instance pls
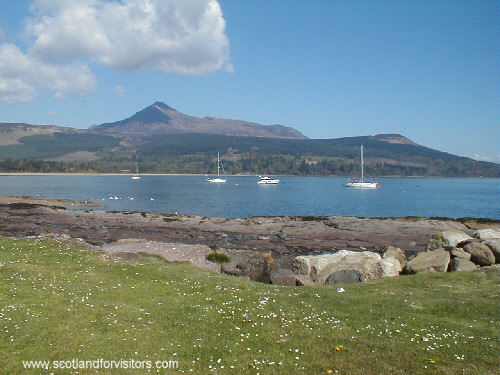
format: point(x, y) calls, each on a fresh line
point(161, 119)
point(164, 140)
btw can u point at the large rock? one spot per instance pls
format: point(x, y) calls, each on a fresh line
point(395, 252)
point(459, 253)
point(303, 280)
point(254, 264)
point(447, 238)
point(486, 234)
point(494, 246)
point(283, 276)
point(320, 267)
point(390, 267)
point(301, 265)
point(430, 261)
point(461, 264)
point(480, 254)
point(345, 277)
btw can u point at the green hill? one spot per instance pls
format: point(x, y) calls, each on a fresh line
point(385, 155)
point(44, 146)
point(164, 140)
point(311, 156)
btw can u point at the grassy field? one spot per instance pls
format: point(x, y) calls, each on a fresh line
point(61, 304)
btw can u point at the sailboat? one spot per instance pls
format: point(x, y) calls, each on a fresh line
point(136, 176)
point(360, 183)
point(218, 178)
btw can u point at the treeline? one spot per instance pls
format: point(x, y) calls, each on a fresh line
point(334, 156)
point(266, 164)
point(197, 153)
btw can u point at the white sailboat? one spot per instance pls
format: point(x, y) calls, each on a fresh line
point(218, 178)
point(360, 183)
point(136, 176)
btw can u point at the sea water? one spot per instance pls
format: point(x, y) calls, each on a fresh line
point(241, 196)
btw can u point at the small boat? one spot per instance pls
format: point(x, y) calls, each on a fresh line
point(360, 183)
point(267, 180)
point(136, 176)
point(218, 178)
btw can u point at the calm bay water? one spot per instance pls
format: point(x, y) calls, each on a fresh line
point(243, 197)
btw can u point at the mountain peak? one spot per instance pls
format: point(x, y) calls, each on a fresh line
point(161, 119)
point(162, 106)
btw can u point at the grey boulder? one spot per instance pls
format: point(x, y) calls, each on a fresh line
point(480, 254)
point(345, 277)
point(460, 264)
point(494, 245)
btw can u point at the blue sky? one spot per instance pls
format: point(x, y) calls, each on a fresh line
point(425, 69)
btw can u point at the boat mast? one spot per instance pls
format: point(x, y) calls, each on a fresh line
point(218, 166)
point(362, 162)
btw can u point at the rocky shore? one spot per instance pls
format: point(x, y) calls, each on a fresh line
point(257, 246)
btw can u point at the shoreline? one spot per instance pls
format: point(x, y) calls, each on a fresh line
point(65, 202)
point(255, 245)
point(7, 174)
point(24, 199)
point(287, 233)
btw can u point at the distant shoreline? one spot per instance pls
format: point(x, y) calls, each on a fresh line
point(195, 175)
point(97, 174)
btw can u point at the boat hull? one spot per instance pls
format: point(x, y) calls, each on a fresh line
point(265, 180)
point(362, 185)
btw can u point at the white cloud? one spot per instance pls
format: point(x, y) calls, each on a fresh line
point(171, 36)
point(120, 91)
point(65, 30)
point(15, 91)
point(22, 74)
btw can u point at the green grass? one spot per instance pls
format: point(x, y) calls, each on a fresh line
point(60, 303)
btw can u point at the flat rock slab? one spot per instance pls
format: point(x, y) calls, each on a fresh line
point(293, 235)
point(194, 254)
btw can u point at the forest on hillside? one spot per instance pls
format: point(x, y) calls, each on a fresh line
point(270, 164)
point(197, 154)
